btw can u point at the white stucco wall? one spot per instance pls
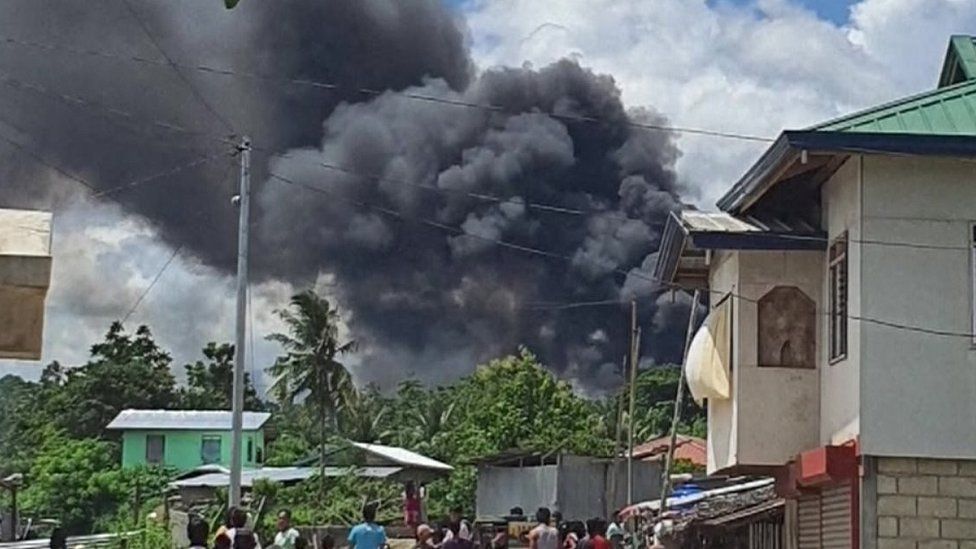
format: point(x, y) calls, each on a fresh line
point(778, 408)
point(840, 380)
point(918, 391)
point(774, 413)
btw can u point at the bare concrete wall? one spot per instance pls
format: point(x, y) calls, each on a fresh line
point(918, 390)
point(840, 380)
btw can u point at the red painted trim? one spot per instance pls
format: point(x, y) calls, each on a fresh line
point(827, 465)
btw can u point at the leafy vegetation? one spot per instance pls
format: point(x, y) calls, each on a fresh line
point(53, 430)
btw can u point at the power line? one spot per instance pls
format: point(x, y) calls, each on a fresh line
point(372, 92)
point(176, 251)
point(152, 284)
point(578, 212)
point(444, 190)
point(169, 61)
point(111, 113)
point(634, 273)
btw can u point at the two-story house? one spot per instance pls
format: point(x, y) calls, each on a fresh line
point(187, 439)
point(845, 261)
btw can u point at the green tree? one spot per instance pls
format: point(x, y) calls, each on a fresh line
point(310, 367)
point(363, 416)
point(124, 371)
point(209, 384)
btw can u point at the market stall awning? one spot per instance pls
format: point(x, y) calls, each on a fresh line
point(682, 501)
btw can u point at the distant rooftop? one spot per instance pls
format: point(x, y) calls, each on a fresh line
point(186, 420)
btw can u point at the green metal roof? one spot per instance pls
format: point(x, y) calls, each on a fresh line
point(949, 109)
point(944, 111)
point(960, 61)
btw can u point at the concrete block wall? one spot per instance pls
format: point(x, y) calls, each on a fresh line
point(926, 503)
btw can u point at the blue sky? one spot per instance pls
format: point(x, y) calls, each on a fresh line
point(836, 11)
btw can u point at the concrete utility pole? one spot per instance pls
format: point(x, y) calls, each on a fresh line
point(634, 351)
point(678, 399)
point(237, 405)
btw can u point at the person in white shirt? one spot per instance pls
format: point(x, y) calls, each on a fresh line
point(286, 536)
point(544, 535)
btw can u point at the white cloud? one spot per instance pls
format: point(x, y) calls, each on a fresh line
point(753, 69)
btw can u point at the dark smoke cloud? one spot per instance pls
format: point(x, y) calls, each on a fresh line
point(415, 290)
point(421, 300)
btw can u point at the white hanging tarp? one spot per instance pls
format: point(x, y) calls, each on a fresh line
point(707, 363)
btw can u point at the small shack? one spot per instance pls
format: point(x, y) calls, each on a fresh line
point(579, 487)
point(736, 513)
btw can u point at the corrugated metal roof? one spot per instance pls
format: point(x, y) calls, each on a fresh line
point(184, 420)
point(282, 474)
point(403, 457)
point(673, 502)
point(714, 222)
point(960, 61)
point(690, 448)
point(943, 111)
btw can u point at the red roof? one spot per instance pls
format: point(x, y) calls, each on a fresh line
point(689, 448)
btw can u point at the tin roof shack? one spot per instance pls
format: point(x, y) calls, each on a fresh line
point(738, 513)
point(25, 275)
point(580, 487)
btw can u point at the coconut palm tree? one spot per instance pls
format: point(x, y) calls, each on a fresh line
point(363, 416)
point(310, 368)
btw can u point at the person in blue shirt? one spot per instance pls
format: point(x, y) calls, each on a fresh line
point(367, 534)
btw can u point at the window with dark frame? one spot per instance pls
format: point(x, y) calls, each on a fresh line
point(155, 449)
point(250, 449)
point(210, 449)
point(837, 332)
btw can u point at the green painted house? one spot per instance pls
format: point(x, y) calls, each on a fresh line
point(186, 439)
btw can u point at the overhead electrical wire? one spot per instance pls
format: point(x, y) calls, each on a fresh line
point(94, 191)
point(72, 100)
point(634, 273)
point(111, 113)
point(169, 261)
point(76, 101)
point(176, 69)
point(372, 92)
point(152, 284)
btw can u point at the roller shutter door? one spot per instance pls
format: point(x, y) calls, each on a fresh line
point(824, 520)
point(808, 522)
point(835, 513)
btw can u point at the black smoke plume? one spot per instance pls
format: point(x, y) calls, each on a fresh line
point(421, 298)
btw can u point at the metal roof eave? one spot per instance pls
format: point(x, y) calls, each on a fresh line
point(789, 144)
point(669, 251)
point(721, 240)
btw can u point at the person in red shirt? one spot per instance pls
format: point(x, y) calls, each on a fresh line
point(596, 539)
point(411, 505)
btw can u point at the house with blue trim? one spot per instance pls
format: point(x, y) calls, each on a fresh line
point(841, 268)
